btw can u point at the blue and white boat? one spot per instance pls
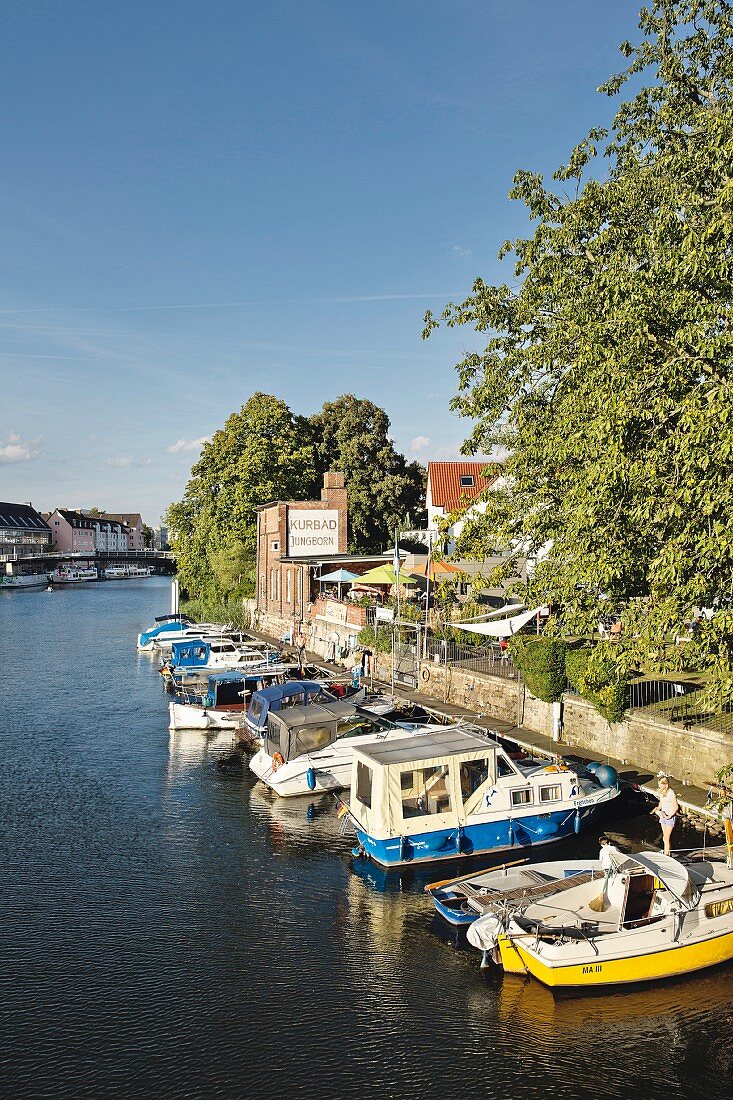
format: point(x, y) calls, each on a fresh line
point(455, 792)
point(220, 701)
point(210, 654)
point(171, 628)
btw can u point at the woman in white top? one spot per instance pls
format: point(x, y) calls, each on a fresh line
point(667, 810)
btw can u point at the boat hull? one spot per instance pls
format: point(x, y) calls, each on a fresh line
point(597, 970)
point(481, 838)
point(183, 716)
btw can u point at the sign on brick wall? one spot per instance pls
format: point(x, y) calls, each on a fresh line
point(312, 531)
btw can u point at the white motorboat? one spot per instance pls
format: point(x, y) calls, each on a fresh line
point(311, 748)
point(220, 702)
point(174, 628)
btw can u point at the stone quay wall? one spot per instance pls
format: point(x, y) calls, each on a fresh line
point(643, 742)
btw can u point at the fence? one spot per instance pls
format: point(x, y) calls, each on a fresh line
point(489, 659)
point(690, 710)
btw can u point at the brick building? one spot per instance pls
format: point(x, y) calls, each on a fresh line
point(293, 539)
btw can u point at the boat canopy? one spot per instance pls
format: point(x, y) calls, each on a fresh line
point(297, 731)
point(174, 619)
point(429, 776)
point(193, 653)
point(274, 697)
point(670, 872)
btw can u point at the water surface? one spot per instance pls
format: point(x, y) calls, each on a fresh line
point(169, 932)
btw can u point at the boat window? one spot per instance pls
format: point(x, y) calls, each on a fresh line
point(521, 798)
point(473, 774)
point(504, 766)
point(312, 738)
point(551, 794)
point(363, 784)
point(424, 791)
point(256, 707)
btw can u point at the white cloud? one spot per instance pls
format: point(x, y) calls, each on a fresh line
point(124, 462)
point(462, 253)
point(419, 443)
point(187, 445)
point(19, 450)
point(451, 451)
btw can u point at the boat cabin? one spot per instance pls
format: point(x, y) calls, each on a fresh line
point(278, 697)
point(198, 652)
point(435, 780)
point(225, 690)
point(299, 730)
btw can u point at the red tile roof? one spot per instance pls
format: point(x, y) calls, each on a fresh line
point(444, 480)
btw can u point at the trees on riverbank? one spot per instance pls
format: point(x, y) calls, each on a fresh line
point(607, 369)
point(265, 452)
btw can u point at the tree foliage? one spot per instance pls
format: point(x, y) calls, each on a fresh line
point(352, 435)
point(606, 373)
point(262, 453)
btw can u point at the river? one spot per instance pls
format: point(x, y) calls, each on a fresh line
point(169, 932)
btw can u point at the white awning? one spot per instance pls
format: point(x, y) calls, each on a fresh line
point(669, 871)
point(503, 628)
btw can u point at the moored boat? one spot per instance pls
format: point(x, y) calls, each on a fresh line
point(222, 702)
point(311, 748)
point(455, 792)
point(127, 572)
point(655, 917)
point(171, 628)
point(74, 574)
point(10, 581)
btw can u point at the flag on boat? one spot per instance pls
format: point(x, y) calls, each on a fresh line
point(342, 809)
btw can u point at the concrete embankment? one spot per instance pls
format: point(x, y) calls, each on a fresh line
point(638, 747)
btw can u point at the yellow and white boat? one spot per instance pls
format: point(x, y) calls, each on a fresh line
point(656, 917)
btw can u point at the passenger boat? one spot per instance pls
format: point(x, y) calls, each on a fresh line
point(127, 572)
point(23, 580)
point(455, 792)
point(74, 574)
point(657, 917)
point(311, 748)
point(222, 702)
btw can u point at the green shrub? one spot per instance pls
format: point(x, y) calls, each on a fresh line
point(213, 610)
point(378, 639)
point(542, 664)
point(595, 674)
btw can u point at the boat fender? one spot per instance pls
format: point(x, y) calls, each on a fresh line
point(310, 778)
point(576, 822)
point(405, 846)
point(607, 776)
point(277, 761)
point(425, 674)
point(511, 835)
point(459, 839)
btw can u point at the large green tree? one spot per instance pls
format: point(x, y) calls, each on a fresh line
point(606, 372)
point(385, 491)
point(262, 453)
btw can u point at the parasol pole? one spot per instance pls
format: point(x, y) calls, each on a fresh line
point(427, 594)
point(397, 616)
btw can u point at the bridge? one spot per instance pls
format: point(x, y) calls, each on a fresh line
point(163, 561)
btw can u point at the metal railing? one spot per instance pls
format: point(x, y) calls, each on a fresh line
point(488, 659)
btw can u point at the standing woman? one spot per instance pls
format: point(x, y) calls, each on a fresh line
point(667, 809)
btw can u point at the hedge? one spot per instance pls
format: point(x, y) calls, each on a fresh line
point(542, 664)
point(596, 676)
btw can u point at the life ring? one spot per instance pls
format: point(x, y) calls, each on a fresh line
point(277, 761)
point(425, 674)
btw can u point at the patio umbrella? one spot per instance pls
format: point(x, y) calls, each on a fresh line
point(437, 570)
point(385, 574)
point(339, 577)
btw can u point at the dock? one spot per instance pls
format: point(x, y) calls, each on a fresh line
point(693, 800)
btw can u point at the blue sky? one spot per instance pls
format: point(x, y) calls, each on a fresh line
point(203, 199)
